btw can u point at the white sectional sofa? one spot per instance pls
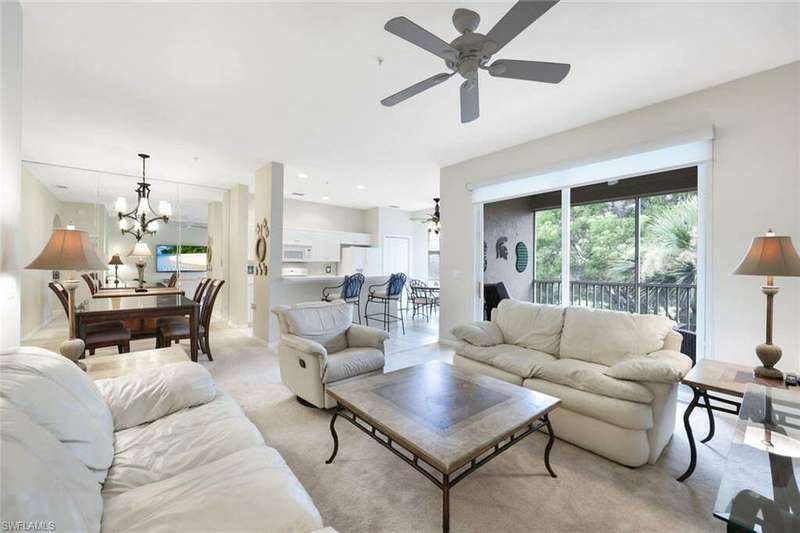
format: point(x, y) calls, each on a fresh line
point(158, 451)
point(616, 373)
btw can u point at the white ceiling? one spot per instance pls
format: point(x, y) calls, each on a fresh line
point(215, 91)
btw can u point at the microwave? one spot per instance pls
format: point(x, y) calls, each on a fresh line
point(296, 252)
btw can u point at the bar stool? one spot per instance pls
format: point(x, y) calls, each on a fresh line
point(348, 291)
point(385, 293)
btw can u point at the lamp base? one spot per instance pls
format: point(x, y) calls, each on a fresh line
point(73, 349)
point(769, 355)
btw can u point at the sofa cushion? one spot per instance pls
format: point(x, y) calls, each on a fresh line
point(60, 397)
point(179, 442)
point(530, 325)
point(352, 362)
point(663, 366)
point(591, 377)
point(151, 394)
point(608, 337)
point(514, 359)
point(43, 481)
point(252, 490)
point(481, 333)
point(325, 323)
point(622, 413)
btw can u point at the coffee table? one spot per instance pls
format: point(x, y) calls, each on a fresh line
point(444, 421)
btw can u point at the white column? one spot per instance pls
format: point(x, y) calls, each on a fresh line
point(268, 206)
point(237, 256)
point(10, 172)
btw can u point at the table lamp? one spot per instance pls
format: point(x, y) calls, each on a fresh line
point(140, 251)
point(70, 250)
point(770, 255)
point(116, 260)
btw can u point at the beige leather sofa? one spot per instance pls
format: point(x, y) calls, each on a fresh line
point(616, 373)
point(320, 345)
point(162, 450)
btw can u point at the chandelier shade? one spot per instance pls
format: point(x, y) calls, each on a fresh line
point(143, 219)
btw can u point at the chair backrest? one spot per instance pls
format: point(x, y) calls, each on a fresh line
point(417, 288)
point(201, 287)
point(90, 282)
point(207, 307)
point(493, 294)
point(173, 280)
point(396, 284)
point(63, 295)
point(352, 286)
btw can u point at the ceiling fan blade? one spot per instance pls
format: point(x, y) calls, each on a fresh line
point(417, 88)
point(520, 16)
point(415, 34)
point(529, 70)
point(470, 109)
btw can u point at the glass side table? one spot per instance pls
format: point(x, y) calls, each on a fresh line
point(759, 490)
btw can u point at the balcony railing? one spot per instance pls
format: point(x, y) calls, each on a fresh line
point(678, 302)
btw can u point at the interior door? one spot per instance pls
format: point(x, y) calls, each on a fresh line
point(397, 255)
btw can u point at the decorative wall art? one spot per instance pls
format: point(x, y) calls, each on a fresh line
point(485, 256)
point(501, 249)
point(209, 254)
point(522, 256)
point(262, 234)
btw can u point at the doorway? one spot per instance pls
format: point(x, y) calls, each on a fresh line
point(397, 254)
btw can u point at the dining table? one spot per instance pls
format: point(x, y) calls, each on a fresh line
point(131, 292)
point(141, 314)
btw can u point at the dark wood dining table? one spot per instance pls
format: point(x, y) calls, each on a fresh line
point(144, 309)
point(130, 292)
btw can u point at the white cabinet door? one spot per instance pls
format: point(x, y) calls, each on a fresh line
point(295, 236)
point(357, 239)
point(325, 246)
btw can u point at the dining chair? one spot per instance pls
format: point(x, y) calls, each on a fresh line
point(173, 280)
point(180, 329)
point(90, 282)
point(198, 295)
point(421, 298)
point(99, 335)
point(348, 291)
point(384, 294)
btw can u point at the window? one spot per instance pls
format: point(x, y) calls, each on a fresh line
point(433, 258)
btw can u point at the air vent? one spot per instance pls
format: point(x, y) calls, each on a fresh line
point(61, 187)
point(394, 206)
point(301, 194)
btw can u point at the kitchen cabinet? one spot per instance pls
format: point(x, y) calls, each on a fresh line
point(325, 245)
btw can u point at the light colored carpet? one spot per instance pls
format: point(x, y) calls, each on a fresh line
point(368, 489)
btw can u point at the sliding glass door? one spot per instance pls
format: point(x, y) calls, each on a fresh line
point(632, 246)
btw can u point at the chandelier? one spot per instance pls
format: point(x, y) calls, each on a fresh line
point(142, 220)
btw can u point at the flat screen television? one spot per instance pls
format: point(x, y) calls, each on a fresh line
point(193, 257)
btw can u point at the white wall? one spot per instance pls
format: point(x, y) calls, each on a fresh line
point(41, 208)
point(756, 185)
point(312, 215)
point(10, 164)
point(383, 221)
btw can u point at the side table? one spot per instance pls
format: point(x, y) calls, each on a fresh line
point(729, 379)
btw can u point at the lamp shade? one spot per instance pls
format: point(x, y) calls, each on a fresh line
point(68, 249)
point(115, 260)
point(770, 255)
point(140, 250)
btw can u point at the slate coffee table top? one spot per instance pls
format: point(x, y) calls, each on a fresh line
point(444, 414)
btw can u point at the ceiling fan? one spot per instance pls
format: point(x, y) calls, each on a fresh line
point(433, 219)
point(471, 51)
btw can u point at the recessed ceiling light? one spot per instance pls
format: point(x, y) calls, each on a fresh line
point(302, 176)
point(360, 187)
point(325, 198)
point(61, 187)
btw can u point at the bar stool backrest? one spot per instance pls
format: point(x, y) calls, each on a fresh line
point(396, 284)
point(352, 286)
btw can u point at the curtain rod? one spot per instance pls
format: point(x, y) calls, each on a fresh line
point(121, 174)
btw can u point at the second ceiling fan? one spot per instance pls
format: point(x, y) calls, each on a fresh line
point(472, 51)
